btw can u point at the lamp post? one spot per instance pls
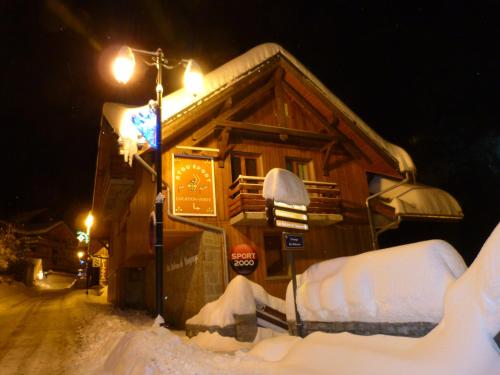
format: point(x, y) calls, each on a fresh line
point(89, 221)
point(123, 67)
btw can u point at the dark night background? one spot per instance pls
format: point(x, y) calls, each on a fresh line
point(424, 76)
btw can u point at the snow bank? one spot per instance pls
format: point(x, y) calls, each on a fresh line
point(462, 343)
point(240, 297)
point(128, 347)
point(399, 284)
point(217, 343)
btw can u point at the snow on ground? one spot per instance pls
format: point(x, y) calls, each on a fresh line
point(462, 344)
point(57, 280)
point(38, 326)
point(131, 344)
point(363, 288)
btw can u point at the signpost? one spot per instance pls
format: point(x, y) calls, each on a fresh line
point(290, 216)
point(286, 207)
point(292, 242)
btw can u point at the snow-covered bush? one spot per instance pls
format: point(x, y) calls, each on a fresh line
point(8, 247)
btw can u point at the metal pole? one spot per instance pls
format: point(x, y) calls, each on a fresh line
point(159, 188)
point(298, 322)
point(87, 282)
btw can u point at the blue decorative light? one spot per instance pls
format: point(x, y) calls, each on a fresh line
point(145, 123)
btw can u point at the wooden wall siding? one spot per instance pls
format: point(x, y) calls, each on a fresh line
point(300, 120)
point(295, 80)
point(374, 159)
point(182, 125)
point(262, 112)
point(321, 243)
point(137, 222)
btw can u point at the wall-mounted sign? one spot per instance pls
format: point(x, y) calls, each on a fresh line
point(293, 241)
point(193, 185)
point(243, 259)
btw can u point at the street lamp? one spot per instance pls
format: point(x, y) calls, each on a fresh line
point(123, 68)
point(89, 221)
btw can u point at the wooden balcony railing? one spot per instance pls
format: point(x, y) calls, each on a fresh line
point(245, 195)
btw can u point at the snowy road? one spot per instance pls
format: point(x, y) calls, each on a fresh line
point(38, 327)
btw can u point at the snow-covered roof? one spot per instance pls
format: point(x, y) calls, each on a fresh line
point(416, 200)
point(174, 104)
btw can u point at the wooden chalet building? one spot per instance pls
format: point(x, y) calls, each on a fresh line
point(260, 111)
point(51, 241)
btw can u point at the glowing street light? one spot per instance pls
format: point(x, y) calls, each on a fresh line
point(123, 68)
point(89, 221)
point(80, 254)
point(124, 64)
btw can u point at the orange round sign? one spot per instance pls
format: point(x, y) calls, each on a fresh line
point(243, 259)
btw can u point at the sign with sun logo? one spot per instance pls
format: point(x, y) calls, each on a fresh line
point(193, 185)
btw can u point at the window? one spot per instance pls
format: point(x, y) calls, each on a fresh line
point(276, 263)
point(246, 165)
point(302, 168)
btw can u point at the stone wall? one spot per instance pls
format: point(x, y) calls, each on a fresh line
point(410, 329)
point(244, 329)
point(193, 276)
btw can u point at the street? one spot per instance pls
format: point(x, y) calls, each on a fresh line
point(39, 326)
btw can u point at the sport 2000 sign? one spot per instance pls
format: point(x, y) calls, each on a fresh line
point(243, 259)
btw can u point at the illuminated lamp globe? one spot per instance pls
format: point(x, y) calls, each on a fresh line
point(124, 64)
point(193, 78)
point(89, 221)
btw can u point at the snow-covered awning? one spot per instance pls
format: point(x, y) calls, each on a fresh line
point(416, 200)
point(175, 104)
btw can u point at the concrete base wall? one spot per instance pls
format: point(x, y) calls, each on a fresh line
point(410, 329)
point(193, 276)
point(244, 329)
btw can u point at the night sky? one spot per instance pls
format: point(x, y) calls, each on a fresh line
point(425, 77)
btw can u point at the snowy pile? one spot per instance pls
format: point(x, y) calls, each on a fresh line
point(399, 284)
point(462, 343)
point(127, 343)
point(241, 298)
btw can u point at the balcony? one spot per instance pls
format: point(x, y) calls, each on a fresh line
point(247, 206)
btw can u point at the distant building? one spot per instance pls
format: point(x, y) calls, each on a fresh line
point(51, 241)
point(260, 111)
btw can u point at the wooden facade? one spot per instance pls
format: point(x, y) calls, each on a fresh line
point(274, 117)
